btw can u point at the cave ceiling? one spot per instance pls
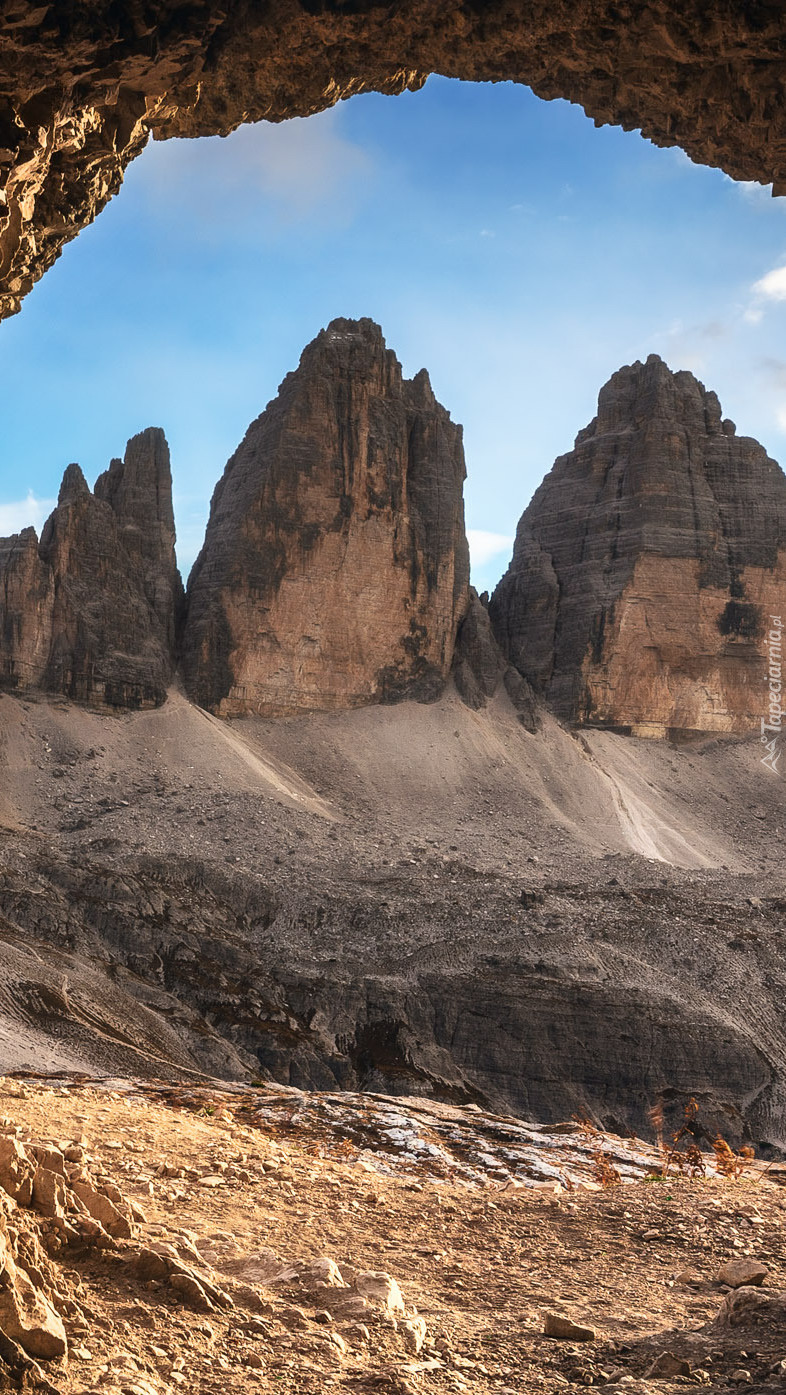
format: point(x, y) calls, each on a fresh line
point(83, 86)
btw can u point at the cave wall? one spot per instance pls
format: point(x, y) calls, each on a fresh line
point(83, 87)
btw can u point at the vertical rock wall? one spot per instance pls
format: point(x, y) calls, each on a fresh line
point(335, 567)
point(647, 567)
point(91, 611)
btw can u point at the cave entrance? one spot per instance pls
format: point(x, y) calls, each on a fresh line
point(503, 242)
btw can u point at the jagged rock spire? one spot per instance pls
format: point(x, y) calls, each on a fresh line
point(91, 612)
point(335, 567)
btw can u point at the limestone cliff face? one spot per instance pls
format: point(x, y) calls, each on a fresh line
point(90, 612)
point(82, 87)
point(139, 491)
point(649, 563)
point(335, 567)
point(26, 604)
point(480, 667)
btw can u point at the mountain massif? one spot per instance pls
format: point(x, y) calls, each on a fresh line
point(286, 868)
point(334, 573)
point(647, 571)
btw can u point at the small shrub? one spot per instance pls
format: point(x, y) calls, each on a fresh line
point(603, 1169)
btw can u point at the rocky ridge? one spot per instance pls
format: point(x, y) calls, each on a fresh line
point(650, 566)
point(82, 90)
point(90, 612)
point(335, 568)
point(334, 572)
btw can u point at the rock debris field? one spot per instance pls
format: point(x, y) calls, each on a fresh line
point(210, 1238)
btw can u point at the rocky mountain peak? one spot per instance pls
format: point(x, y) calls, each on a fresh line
point(648, 562)
point(335, 567)
point(350, 349)
point(642, 394)
point(139, 487)
point(91, 611)
point(139, 491)
point(73, 485)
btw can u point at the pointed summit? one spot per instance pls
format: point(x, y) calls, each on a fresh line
point(73, 485)
point(335, 567)
point(139, 491)
point(91, 611)
point(648, 563)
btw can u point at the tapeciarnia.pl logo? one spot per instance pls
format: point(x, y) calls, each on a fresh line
point(772, 724)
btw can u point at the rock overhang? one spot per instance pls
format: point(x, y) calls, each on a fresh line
point(82, 90)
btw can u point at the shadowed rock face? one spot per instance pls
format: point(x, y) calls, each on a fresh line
point(82, 87)
point(91, 611)
point(649, 565)
point(335, 567)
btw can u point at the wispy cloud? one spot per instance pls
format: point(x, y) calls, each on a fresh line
point(772, 286)
point(296, 167)
point(484, 547)
point(771, 372)
point(24, 513)
point(687, 346)
point(775, 370)
point(754, 194)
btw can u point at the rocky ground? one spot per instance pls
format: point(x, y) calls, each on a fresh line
point(419, 899)
point(166, 1237)
point(468, 923)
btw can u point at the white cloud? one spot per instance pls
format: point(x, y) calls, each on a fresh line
point(753, 315)
point(484, 547)
point(780, 417)
point(773, 285)
point(24, 513)
point(760, 195)
point(297, 166)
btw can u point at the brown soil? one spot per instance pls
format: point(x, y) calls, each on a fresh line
point(636, 1262)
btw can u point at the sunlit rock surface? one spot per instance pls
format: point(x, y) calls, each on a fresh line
point(90, 612)
point(650, 567)
point(335, 567)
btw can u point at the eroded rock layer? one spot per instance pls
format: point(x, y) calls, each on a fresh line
point(335, 567)
point(83, 87)
point(90, 612)
point(650, 567)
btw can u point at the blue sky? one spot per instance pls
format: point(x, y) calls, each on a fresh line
point(502, 242)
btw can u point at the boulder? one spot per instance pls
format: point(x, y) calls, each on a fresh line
point(742, 1273)
point(102, 1210)
point(49, 1193)
point(753, 1307)
point(666, 1365)
point(16, 1171)
point(380, 1290)
point(565, 1330)
point(26, 1314)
